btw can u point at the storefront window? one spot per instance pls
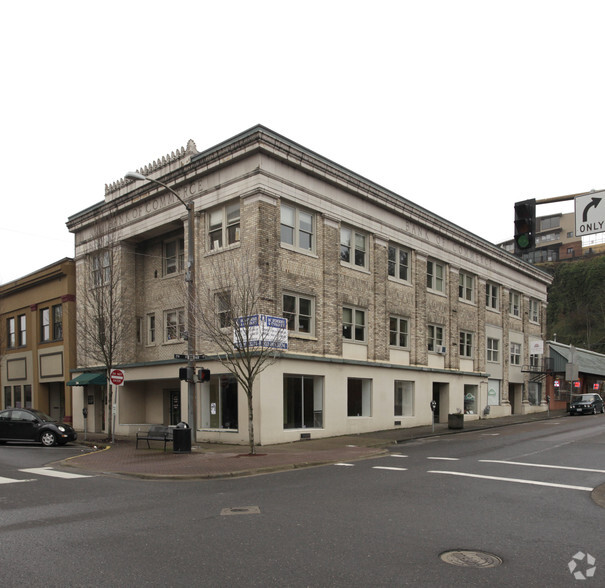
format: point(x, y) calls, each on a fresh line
point(219, 403)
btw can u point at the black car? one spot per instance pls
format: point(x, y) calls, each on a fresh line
point(24, 424)
point(586, 404)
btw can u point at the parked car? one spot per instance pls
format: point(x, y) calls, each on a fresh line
point(586, 404)
point(21, 424)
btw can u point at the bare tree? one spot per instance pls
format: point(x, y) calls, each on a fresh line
point(231, 315)
point(105, 315)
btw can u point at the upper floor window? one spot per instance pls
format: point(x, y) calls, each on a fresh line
point(223, 309)
point(174, 256)
point(297, 227)
point(466, 344)
point(493, 349)
point(101, 268)
point(492, 296)
point(354, 324)
point(398, 332)
point(434, 338)
point(174, 325)
point(515, 353)
point(399, 263)
point(353, 247)
point(534, 310)
point(435, 276)
point(151, 329)
point(514, 306)
point(11, 332)
point(224, 226)
point(298, 311)
point(466, 287)
point(57, 322)
point(22, 330)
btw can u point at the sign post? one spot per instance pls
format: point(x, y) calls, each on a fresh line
point(117, 379)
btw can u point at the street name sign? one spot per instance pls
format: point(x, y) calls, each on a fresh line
point(590, 213)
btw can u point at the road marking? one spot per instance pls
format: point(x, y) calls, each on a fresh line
point(445, 458)
point(389, 468)
point(490, 434)
point(541, 465)
point(53, 473)
point(349, 465)
point(397, 455)
point(516, 480)
point(13, 481)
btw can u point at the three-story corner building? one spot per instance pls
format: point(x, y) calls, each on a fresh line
point(37, 340)
point(389, 306)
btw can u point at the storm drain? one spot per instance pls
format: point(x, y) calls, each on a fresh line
point(241, 510)
point(470, 559)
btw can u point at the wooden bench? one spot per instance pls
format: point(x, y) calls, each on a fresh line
point(155, 433)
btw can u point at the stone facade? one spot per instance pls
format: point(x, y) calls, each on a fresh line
point(342, 246)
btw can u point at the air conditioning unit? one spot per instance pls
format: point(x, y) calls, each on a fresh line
point(441, 350)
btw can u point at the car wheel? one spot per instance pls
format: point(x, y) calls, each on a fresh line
point(48, 439)
point(594, 410)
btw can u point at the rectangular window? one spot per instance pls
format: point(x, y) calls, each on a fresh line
point(493, 392)
point(298, 311)
point(534, 360)
point(353, 247)
point(101, 268)
point(515, 353)
point(223, 309)
point(493, 349)
point(57, 312)
point(466, 287)
point(151, 329)
point(45, 324)
point(219, 403)
point(303, 402)
point(140, 327)
point(398, 332)
point(534, 310)
point(534, 393)
point(492, 293)
point(224, 226)
point(435, 273)
point(11, 333)
point(471, 394)
point(174, 327)
point(399, 263)
point(297, 228)
point(434, 338)
point(404, 398)
point(27, 393)
point(359, 397)
point(22, 320)
point(174, 256)
point(466, 344)
point(514, 307)
point(354, 324)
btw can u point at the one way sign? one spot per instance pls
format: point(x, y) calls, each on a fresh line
point(590, 213)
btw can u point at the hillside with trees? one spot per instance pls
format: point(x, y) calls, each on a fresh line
point(576, 304)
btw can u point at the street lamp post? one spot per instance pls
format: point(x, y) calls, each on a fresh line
point(190, 279)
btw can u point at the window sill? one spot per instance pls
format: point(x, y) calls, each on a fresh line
point(357, 268)
point(222, 249)
point(399, 281)
point(294, 249)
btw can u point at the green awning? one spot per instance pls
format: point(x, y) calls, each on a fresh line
point(88, 379)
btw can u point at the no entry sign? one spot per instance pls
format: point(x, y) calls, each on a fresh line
point(116, 377)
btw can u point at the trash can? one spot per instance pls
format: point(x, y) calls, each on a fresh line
point(181, 438)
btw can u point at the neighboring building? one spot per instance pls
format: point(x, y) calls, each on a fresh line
point(572, 371)
point(37, 336)
point(392, 306)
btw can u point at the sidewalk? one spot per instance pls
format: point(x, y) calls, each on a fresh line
point(209, 460)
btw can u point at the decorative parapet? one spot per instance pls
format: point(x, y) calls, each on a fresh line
point(160, 167)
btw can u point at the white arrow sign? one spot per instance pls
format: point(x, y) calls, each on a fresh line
point(590, 213)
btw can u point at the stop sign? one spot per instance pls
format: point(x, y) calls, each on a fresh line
point(116, 377)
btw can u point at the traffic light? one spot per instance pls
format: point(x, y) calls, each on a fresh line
point(186, 373)
point(204, 375)
point(525, 224)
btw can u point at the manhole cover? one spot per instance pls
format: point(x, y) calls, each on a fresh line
point(470, 559)
point(240, 510)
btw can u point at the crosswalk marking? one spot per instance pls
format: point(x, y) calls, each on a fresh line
point(12, 481)
point(516, 480)
point(47, 471)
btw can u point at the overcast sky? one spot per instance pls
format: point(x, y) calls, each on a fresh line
point(464, 106)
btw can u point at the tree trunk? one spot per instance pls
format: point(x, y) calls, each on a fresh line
point(251, 423)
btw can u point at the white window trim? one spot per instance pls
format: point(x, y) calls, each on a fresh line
point(399, 319)
point(462, 284)
point(434, 277)
point(396, 277)
point(511, 306)
point(353, 248)
point(226, 225)
point(354, 310)
point(491, 350)
point(489, 287)
point(297, 229)
point(433, 340)
point(462, 346)
point(515, 353)
point(179, 257)
point(296, 332)
point(180, 325)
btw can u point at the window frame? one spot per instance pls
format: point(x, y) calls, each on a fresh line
point(228, 228)
point(353, 325)
point(435, 335)
point(514, 309)
point(433, 280)
point(352, 247)
point(492, 299)
point(44, 314)
point(22, 330)
point(465, 344)
point(150, 329)
point(395, 263)
point(100, 272)
point(398, 332)
point(466, 292)
point(297, 229)
point(178, 326)
point(515, 353)
point(57, 322)
point(401, 388)
point(308, 395)
point(365, 397)
point(11, 333)
point(294, 318)
point(534, 311)
point(493, 351)
point(179, 257)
